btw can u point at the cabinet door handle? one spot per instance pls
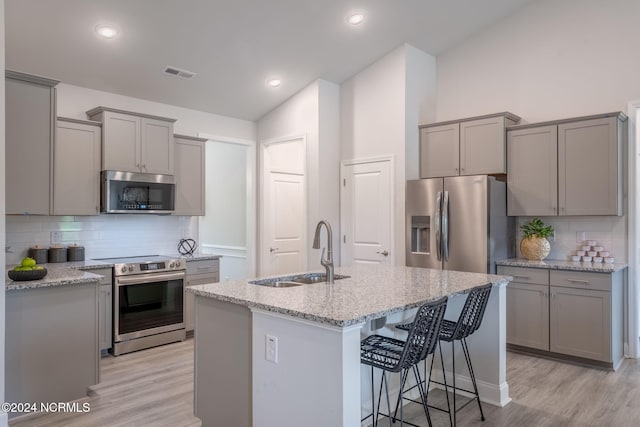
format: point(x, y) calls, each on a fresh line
point(586, 282)
point(204, 268)
point(520, 277)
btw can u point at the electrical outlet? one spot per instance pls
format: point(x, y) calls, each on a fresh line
point(56, 237)
point(271, 350)
point(581, 236)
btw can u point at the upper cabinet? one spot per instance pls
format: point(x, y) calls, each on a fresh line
point(134, 142)
point(567, 167)
point(30, 122)
point(473, 146)
point(76, 168)
point(190, 175)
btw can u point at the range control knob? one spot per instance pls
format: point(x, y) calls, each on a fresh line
point(124, 269)
point(177, 263)
point(171, 264)
point(131, 268)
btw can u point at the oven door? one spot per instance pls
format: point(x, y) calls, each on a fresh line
point(148, 304)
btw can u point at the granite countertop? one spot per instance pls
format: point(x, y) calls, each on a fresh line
point(371, 292)
point(197, 257)
point(551, 264)
point(60, 274)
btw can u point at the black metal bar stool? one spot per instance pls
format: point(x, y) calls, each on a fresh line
point(393, 355)
point(468, 322)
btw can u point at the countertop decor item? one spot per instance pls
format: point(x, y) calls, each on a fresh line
point(75, 253)
point(57, 253)
point(20, 276)
point(534, 244)
point(38, 253)
point(187, 246)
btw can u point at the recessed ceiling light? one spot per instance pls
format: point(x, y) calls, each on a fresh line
point(356, 17)
point(274, 82)
point(107, 31)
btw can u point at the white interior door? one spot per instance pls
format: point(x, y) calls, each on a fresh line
point(283, 224)
point(366, 206)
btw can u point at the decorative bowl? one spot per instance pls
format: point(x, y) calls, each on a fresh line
point(20, 276)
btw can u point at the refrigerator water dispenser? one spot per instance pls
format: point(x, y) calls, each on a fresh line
point(420, 234)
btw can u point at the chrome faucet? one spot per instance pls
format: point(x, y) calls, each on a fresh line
point(328, 262)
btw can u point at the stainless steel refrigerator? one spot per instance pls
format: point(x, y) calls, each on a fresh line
point(458, 223)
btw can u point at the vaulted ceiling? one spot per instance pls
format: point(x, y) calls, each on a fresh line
point(234, 46)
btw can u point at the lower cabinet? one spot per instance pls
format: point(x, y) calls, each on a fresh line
point(105, 309)
point(199, 272)
point(568, 313)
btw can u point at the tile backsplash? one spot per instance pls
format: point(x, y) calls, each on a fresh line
point(102, 236)
point(570, 231)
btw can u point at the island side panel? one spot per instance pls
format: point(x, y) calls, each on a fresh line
point(487, 348)
point(222, 393)
point(316, 380)
point(52, 347)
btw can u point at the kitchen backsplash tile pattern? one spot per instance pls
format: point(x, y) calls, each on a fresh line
point(102, 236)
point(609, 231)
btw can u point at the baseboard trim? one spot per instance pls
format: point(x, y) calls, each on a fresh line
point(493, 394)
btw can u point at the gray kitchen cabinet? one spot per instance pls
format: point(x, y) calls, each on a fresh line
point(527, 307)
point(190, 175)
point(440, 150)
point(134, 142)
point(76, 167)
point(30, 104)
point(567, 167)
point(590, 164)
point(566, 313)
point(532, 171)
point(105, 309)
point(199, 272)
point(473, 146)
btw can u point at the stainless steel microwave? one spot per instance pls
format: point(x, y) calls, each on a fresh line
point(129, 192)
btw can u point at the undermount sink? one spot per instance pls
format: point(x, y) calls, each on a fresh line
point(299, 280)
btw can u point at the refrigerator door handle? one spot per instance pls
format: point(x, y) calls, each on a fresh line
point(445, 226)
point(437, 227)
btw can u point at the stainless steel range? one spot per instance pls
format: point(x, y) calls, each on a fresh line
point(148, 304)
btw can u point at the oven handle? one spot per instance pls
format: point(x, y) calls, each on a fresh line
point(149, 279)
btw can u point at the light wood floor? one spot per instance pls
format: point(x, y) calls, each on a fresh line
point(155, 388)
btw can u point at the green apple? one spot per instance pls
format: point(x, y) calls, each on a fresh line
point(21, 268)
point(28, 262)
point(38, 267)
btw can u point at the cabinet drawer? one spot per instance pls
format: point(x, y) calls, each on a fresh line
point(525, 275)
point(581, 280)
point(202, 279)
point(203, 266)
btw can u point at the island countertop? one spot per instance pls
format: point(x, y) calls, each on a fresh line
point(371, 292)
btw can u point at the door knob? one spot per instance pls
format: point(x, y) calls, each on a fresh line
point(385, 253)
point(272, 250)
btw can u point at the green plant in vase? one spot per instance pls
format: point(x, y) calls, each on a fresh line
point(534, 244)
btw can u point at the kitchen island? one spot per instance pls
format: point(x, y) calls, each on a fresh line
point(269, 356)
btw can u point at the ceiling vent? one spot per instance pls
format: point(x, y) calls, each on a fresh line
point(183, 74)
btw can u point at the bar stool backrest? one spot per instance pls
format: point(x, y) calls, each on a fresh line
point(424, 333)
point(472, 312)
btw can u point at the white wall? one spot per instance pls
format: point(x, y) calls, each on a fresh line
point(74, 101)
point(314, 112)
point(550, 60)
point(224, 228)
point(381, 108)
point(3, 416)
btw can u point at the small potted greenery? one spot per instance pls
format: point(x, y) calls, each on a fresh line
point(534, 244)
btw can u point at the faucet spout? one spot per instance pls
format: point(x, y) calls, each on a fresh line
point(327, 262)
